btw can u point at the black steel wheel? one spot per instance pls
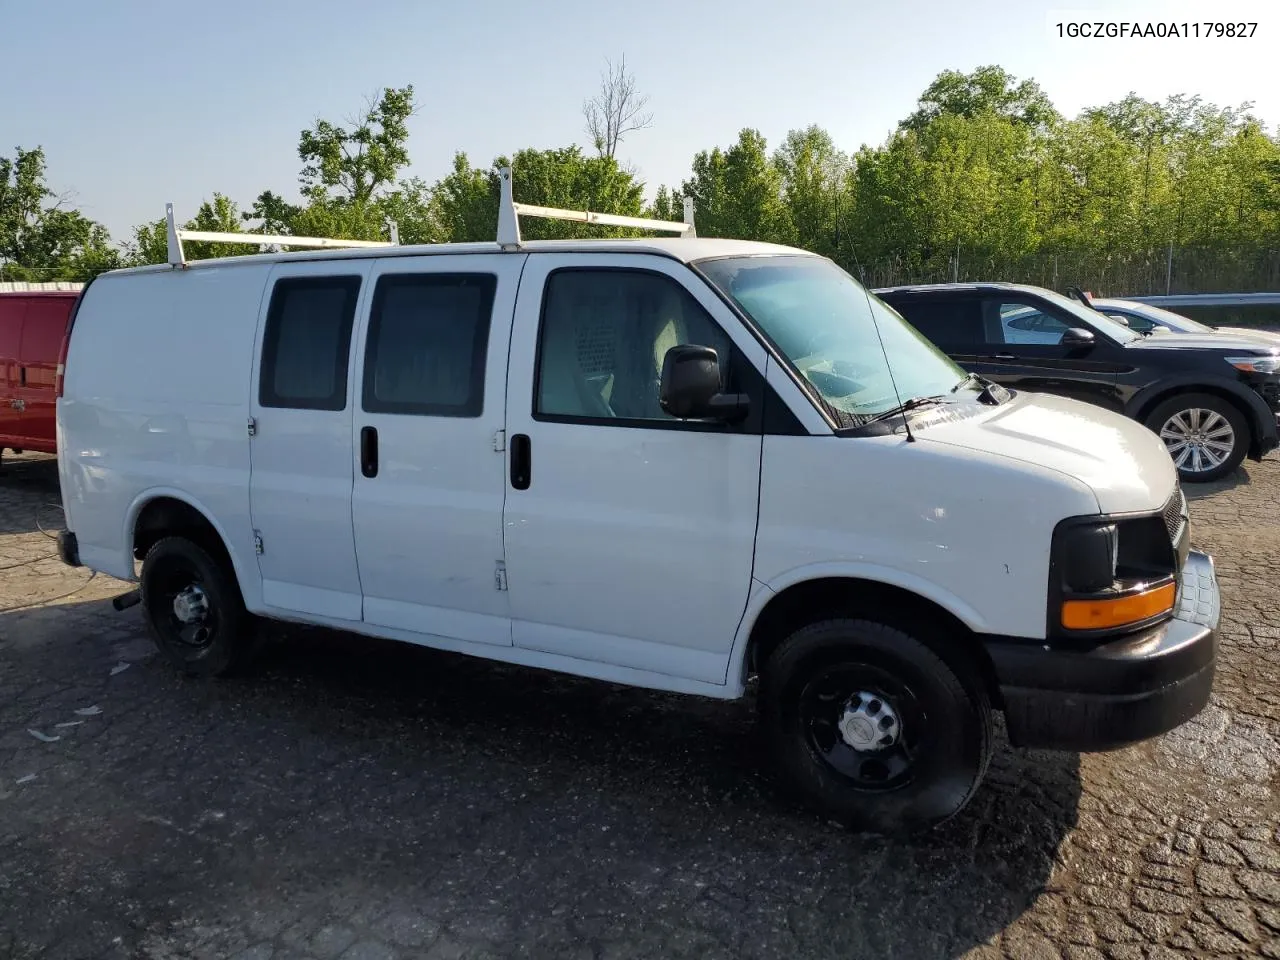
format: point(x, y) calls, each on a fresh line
point(194, 609)
point(870, 726)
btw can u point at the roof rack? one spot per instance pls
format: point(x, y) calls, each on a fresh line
point(509, 213)
point(178, 259)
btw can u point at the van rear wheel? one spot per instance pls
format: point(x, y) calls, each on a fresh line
point(871, 727)
point(194, 610)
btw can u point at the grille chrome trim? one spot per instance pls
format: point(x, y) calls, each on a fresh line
point(1175, 514)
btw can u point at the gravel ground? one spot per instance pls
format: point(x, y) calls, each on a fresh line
point(360, 799)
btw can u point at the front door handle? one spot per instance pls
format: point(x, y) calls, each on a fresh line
point(1005, 356)
point(369, 451)
point(521, 464)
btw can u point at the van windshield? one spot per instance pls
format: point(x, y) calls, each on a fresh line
point(831, 331)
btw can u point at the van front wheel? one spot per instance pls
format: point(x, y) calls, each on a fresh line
point(194, 609)
point(871, 727)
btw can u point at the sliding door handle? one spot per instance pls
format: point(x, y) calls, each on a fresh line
point(521, 464)
point(369, 451)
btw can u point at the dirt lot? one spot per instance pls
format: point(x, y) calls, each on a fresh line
point(360, 799)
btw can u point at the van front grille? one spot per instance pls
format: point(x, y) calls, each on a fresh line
point(1175, 513)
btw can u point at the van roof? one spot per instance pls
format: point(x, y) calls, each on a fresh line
point(683, 249)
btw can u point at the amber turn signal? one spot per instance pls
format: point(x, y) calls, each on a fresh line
point(1117, 611)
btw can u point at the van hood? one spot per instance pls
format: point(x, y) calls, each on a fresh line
point(1126, 465)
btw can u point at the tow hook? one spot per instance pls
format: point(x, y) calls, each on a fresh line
point(126, 600)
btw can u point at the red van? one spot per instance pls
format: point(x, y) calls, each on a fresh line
point(33, 324)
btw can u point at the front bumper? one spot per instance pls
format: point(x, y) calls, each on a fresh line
point(1120, 692)
point(1267, 425)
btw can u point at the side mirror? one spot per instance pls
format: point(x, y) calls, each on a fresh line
point(690, 387)
point(1077, 337)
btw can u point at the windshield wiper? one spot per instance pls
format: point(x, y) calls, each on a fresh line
point(915, 403)
point(969, 378)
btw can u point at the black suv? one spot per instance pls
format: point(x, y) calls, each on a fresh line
point(1212, 398)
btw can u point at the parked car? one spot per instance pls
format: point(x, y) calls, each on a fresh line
point(1212, 398)
point(33, 327)
point(1145, 318)
point(1234, 311)
point(675, 464)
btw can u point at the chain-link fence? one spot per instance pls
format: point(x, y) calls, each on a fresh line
point(1142, 273)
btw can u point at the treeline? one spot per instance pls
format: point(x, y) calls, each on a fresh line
point(984, 173)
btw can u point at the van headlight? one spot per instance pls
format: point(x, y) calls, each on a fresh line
point(1109, 575)
point(1269, 363)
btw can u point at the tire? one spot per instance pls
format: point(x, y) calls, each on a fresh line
point(221, 642)
point(1213, 419)
point(813, 681)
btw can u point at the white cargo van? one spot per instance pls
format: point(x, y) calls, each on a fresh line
point(678, 464)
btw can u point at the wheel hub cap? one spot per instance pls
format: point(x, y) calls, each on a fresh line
point(191, 605)
point(1198, 439)
point(869, 723)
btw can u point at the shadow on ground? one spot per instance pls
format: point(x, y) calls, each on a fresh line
point(516, 812)
point(32, 481)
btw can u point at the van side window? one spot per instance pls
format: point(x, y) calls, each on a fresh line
point(427, 345)
point(307, 343)
point(605, 333)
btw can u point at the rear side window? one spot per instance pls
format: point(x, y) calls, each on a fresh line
point(427, 344)
point(307, 343)
point(948, 323)
point(1022, 324)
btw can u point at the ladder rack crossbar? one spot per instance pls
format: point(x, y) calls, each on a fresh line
point(174, 237)
point(606, 219)
point(509, 213)
point(265, 239)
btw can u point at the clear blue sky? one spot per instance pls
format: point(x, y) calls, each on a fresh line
point(137, 103)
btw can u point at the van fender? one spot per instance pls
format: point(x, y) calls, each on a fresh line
point(248, 584)
point(762, 593)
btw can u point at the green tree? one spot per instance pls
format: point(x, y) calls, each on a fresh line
point(466, 201)
point(274, 214)
point(963, 184)
point(815, 181)
point(737, 193)
point(988, 89)
point(40, 239)
point(359, 160)
point(150, 243)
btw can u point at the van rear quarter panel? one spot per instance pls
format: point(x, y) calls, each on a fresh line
point(156, 402)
